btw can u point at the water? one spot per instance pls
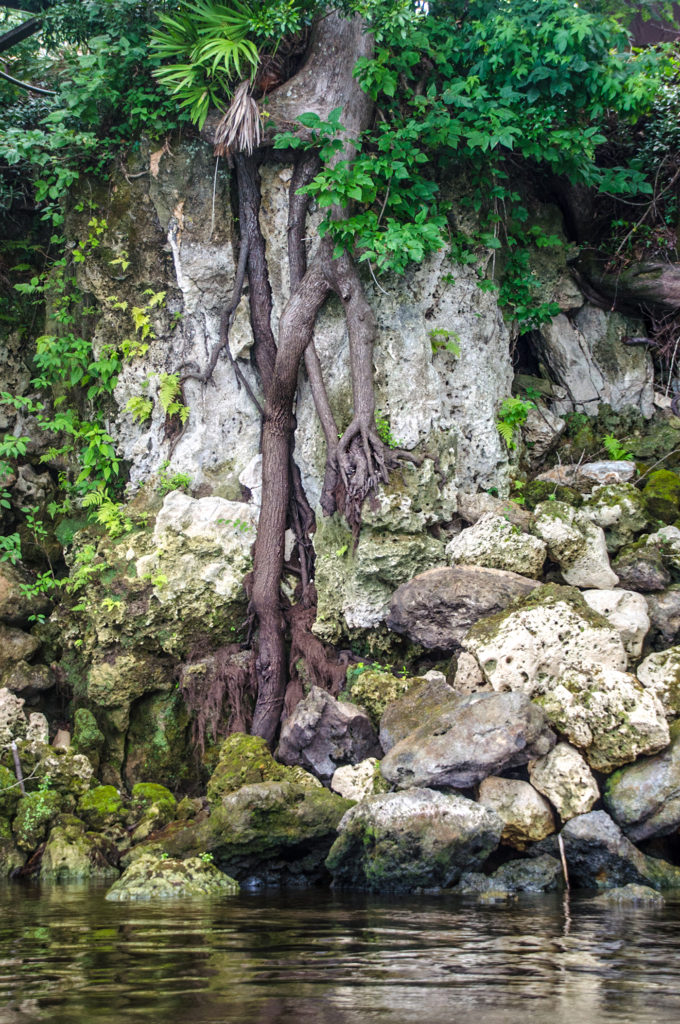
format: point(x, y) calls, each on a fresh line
point(68, 957)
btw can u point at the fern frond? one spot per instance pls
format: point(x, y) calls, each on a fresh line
point(169, 389)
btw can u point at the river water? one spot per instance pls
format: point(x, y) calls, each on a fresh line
point(69, 957)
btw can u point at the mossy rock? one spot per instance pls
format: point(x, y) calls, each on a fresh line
point(159, 877)
point(10, 793)
point(544, 490)
point(36, 811)
point(88, 739)
point(245, 760)
point(157, 743)
point(10, 856)
point(373, 689)
point(102, 807)
point(662, 495)
point(149, 798)
point(71, 854)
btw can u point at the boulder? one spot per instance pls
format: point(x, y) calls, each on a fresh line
point(356, 781)
point(529, 647)
point(494, 543)
point(15, 645)
point(65, 772)
point(243, 760)
point(664, 615)
point(526, 815)
point(619, 510)
point(28, 680)
point(267, 833)
point(16, 605)
point(660, 674)
point(471, 508)
point(405, 841)
point(640, 567)
point(563, 776)
point(575, 543)
point(609, 472)
point(119, 678)
point(436, 608)
point(446, 749)
point(627, 612)
point(37, 730)
point(35, 813)
point(402, 716)
point(71, 854)
point(667, 542)
point(661, 495)
point(323, 733)
point(155, 878)
point(608, 714)
point(644, 798)
point(10, 793)
point(599, 856)
point(540, 874)
point(629, 894)
point(541, 433)
point(468, 677)
point(11, 858)
point(374, 688)
point(102, 808)
point(88, 739)
point(12, 719)
point(152, 806)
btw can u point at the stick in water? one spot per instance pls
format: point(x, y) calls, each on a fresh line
point(17, 768)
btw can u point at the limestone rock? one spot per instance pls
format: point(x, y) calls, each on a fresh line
point(35, 813)
point(73, 855)
point(37, 730)
point(28, 680)
point(664, 615)
point(630, 893)
point(67, 773)
point(540, 874)
point(640, 567)
point(587, 356)
point(611, 472)
point(404, 715)
point(494, 543)
point(541, 432)
point(88, 739)
point(10, 793)
point(373, 689)
point(15, 645)
point(437, 607)
point(619, 510)
point(644, 798)
point(563, 776)
point(468, 677)
point(357, 781)
point(119, 678)
point(323, 733)
point(667, 542)
point(627, 612)
point(660, 674)
point(102, 808)
point(576, 544)
point(405, 841)
point(529, 647)
point(11, 857)
point(471, 508)
point(600, 857)
point(12, 718)
point(153, 878)
point(276, 833)
point(15, 605)
point(152, 806)
point(446, 749)
point(244, 760)
point(526, 815)
point(608, 714)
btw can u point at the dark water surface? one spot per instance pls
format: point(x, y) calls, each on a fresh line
point(305, 958)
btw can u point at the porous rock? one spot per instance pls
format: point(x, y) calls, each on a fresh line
point(599, 856)
point(446, 749)
point(152, 877)
point(627, 612)
point(12, 718)
point(356, 781)
point(244, 760)
point(437, 607)
point(28, 680)
point(71, 854)
point(540, 874)
point(323, 733)
point(495, 543)
point(644, 798)
point(619, 510)
point(575, 543)
point(563, 776)
point(664, 615)
point(660, 674)
point(15, 645)
point(16, 605)
point(627, 894)
point(404, 841)
point(526, 815)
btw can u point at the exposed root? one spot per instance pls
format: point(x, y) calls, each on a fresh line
point(309, 660)
point(219, 692)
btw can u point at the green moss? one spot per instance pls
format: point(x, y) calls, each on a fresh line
point(547, 596)
point(34, 814)
point(538, 491)
point(243, 760)
point(373, 689)
point(10, 793)
point(149, 797)
point(102, 807)
point(662, 495)
point(88, 739)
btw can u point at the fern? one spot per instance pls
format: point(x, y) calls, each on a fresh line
point(139, 408)
point(169, 394)
point(506, 430)
point(615, 449)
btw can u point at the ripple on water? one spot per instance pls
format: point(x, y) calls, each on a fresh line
point(66, 955)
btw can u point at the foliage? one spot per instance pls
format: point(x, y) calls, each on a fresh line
point(513, 414)
point(443, 340)
point(385, 431)
point(169, 395)
point(616, 449)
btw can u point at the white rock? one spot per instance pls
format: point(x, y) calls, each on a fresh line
point(564, 777)
point(541, 432)
point(12, 718)
point(627, 612)
point(576, 544)
point(660, 674)
point(469, 677)
point(667, 540)
point(526, 815)
point(608, 714)
point(494, 543)
point(38, 730)
point(355, 781)
point(529, 648)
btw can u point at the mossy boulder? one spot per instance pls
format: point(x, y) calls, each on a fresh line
point(102, 807)
point(640, 566)
point(151, 807)
point(156, 877)
point(373, 689)
point(661, 495)
point(244, 760)
point(15, 645)
point(88, 739)
point(275, 833)
point(35, 813)
point(537, 491)
point(10, 793)
point(71, 854)
point(67, 773)
point(620, 510)
point(11, 857)
point(120, 678)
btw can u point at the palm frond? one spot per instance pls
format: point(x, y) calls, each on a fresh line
point(240, 130)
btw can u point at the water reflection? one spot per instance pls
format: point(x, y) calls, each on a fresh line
point(306, 958)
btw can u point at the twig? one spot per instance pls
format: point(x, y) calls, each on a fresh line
point(560, 843)
point(17, 768)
